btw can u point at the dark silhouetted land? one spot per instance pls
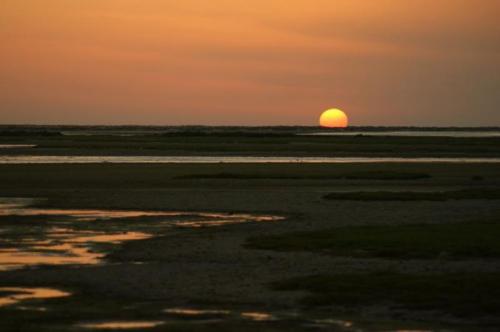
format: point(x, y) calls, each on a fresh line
point(384, 246)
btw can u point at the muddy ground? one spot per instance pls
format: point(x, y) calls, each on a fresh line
point(210, 268)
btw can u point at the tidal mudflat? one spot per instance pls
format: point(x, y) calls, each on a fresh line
point(33, 237)
point(250, 246)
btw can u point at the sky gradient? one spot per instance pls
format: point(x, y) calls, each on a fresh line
point(261, 62)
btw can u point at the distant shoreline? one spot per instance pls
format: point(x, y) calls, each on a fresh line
point(4, 127)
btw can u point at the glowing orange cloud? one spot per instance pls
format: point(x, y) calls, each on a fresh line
point(224, 62)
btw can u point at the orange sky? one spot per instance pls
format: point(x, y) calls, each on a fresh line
point(235, 62)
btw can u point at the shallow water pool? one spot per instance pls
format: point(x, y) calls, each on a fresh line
point(33, 236)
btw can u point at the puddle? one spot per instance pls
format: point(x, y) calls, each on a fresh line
point(61, 247)
point(16, 209)
point(129, 325)
point(258, 316)
point(221, 220)
point(95, 215)
point(17, 146)
point(195, 316)
point(39, 309)
point(195, 312)
point(228, 159)
point(334, 322)
point(65, 240)
point(190, 313)
point(20, 207)
point(264, 319)
point(15, 295)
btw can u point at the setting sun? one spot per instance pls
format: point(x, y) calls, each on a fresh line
point(333, 118)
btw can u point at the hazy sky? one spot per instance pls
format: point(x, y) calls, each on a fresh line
point(240, 62)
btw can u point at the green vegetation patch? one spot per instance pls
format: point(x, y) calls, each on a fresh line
point(469, 294)
point(375, 175)
point(414, 196)
point(466, 240)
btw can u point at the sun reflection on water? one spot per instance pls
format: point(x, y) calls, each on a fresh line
point(61, 240)
point(15, 295)
point(258, 316)
point(123, 325)
point(63, 246)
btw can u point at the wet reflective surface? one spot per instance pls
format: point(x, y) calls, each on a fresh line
point(333, 322)
point(14, 295)
point(260, 318)
point(81, 237)
point(62, 246)
point(411, 133)
point(120, 325)
point(280, 320)
point(191, 319)
point(196, 312)
point(33, 236)
point(227, 159)
point(79, 215)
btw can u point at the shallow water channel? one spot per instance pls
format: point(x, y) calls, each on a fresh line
point(411, 133)
point(31, 236)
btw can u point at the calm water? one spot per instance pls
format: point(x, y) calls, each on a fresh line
point(66, 236)
point(216, 316)
point(14, 295)
point(415, 132)
point(228, 159)
point(33, 236)
point(410, 133)
point(121, 325)
point(193, 317)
